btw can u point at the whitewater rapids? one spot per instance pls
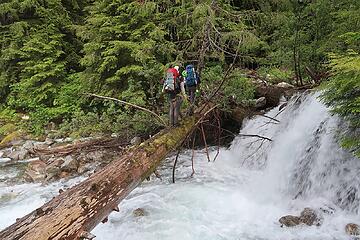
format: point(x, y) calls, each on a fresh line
point(243, 193)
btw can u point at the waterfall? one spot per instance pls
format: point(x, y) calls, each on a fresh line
point(248, 188)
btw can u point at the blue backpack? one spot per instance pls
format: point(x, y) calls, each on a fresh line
point(190, 79)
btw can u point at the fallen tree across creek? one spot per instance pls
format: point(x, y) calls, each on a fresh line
point(75, 212)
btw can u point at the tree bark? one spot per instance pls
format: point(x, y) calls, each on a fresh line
point(75, 212)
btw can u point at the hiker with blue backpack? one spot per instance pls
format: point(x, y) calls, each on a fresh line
point(192, 81)
point(173, 86)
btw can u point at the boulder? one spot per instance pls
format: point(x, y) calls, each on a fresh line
point(352, 229)
point(136, 141)
point(309, 217)
point(29, 145)
point(35, 171)
point(284, 85)
point(2, 153)
point(13, 139)
point(289, 221)
point(6, 152)
point(49, 141)
point(95, 156)
point(70, 164)
point(64, 175)
point(53, 170)
point(83, 168)
point(260, 102)
point(20, 154)
point(140, 212)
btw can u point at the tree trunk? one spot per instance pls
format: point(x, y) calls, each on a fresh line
point(75, 212)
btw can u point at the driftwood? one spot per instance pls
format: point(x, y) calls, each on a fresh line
point(86, 146)
point(75, 212)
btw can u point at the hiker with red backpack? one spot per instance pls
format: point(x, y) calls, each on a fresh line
point(173, 86)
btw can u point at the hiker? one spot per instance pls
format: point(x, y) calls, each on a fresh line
point(173, 85)
point(192, 81)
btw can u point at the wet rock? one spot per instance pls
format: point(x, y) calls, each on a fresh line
point(29, 145)
point(140, 212)
point(260, 102)
point(52, 173)
point(284, 85)
point(6, 152)
point(53, 170)
point(35, 171)
point(49, 141)
point(96, 156)
point(352, 229)
point(309, 217)
point(136, 141)
point(70, 164)
point(83, 168)
point(64, 175)
point(327, 210)
point(289, 221)
point(20, 154)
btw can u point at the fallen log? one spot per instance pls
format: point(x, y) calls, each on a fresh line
point(75, 212)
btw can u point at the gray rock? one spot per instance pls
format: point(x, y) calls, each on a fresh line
point(52, 172)
point(2, 153)
point(70, 164)
point(49, 141)
point(140, 212)
point(96, 156)
point(289, 221)
point(284, 85)
point(260, 102)
point(84, 168)
point(19, 154)
point(6, 152)
point(136, 141)
point(309, 217)
point(35, 171)
point(29, 145)
point(352, 229)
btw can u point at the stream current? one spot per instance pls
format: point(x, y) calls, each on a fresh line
point(243, 193)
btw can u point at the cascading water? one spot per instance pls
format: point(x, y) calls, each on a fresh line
point(245, 191)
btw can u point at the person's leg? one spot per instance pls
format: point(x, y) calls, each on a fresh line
point(177, 103)
point(178, 106)
point(192, 94)
point(171, 110)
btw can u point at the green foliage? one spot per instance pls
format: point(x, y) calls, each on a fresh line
point(237, 88)
point(342, 91)
point(275, 75)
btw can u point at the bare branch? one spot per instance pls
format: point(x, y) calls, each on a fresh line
point(132, 105)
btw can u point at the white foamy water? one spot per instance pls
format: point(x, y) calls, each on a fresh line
point(244, 192)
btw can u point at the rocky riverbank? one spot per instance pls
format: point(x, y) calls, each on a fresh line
point(24, 160)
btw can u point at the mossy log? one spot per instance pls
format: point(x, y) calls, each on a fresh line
point(75, 212)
